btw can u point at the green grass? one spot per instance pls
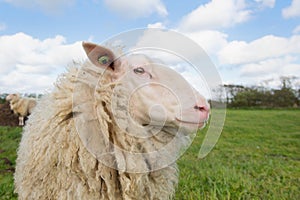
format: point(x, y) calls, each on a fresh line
point(9, 140)
point(256, 157)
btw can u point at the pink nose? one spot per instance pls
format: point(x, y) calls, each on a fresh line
point(204, 109)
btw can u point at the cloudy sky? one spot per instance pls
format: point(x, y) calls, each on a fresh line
point(249, 41)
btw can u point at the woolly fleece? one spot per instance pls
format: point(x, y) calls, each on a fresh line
point(53, 162)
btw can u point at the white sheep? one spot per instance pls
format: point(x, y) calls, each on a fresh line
point(111, 129)
point(21, 106)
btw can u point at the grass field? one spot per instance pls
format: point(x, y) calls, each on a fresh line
point(9, 140)
point(257, 157)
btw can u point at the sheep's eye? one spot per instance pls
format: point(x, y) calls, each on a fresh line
point(103, 60)
point(139, 70)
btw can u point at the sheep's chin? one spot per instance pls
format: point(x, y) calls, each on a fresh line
point(194, 124)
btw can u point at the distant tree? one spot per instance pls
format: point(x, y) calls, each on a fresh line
point(267, 99)
point(218, 94)
point(263, 97)
point(2, 101)
point(2, 97)
point(31, 95)
point(284, 98)
point(288, 94)
point(241, 99)
point(287, 81)
point(231, 91)
point(248, 97)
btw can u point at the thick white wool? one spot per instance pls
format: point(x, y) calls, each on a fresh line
point(54, 163)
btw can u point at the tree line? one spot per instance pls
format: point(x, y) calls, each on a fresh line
point(286, 96)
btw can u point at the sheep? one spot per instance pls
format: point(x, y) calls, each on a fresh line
point(21, 106)
point(112, 128)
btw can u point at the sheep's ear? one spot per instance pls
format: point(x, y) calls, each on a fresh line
point(99, 56)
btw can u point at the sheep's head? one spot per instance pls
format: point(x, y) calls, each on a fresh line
point(151, 105)
point(157, 95)
point(10, 97)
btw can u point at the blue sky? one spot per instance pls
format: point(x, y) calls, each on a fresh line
point(249, 41)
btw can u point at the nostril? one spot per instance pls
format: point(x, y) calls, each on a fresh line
point(201, 108)
point(196, 107)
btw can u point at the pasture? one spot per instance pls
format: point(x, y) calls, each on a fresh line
point(256, 157)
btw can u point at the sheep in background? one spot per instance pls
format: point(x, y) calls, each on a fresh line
point(21, 106)
point(111, 129)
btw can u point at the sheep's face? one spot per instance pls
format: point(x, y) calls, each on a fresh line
point(157, 95)
point(11, 97)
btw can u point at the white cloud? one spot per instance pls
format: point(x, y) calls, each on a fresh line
point(211, 41)
point(47, 5)
point(270, 67)
point(135, 9)
point(216, 14)
point(17, 82)
point(293, 10)
point(241, 62)
point(240, 52)
point(268, 72)
point(265, 58)
point(266, 3)
point(2, 26)
point(168, 42)
point(28, 64)
point(208, 41)
point(296, 30)
point(157, 25)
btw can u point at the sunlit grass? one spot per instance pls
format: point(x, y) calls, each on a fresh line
point(256, 157)
point(9, 140)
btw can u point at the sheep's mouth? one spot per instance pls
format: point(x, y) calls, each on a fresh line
point(199, 124)
point(193, 123)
